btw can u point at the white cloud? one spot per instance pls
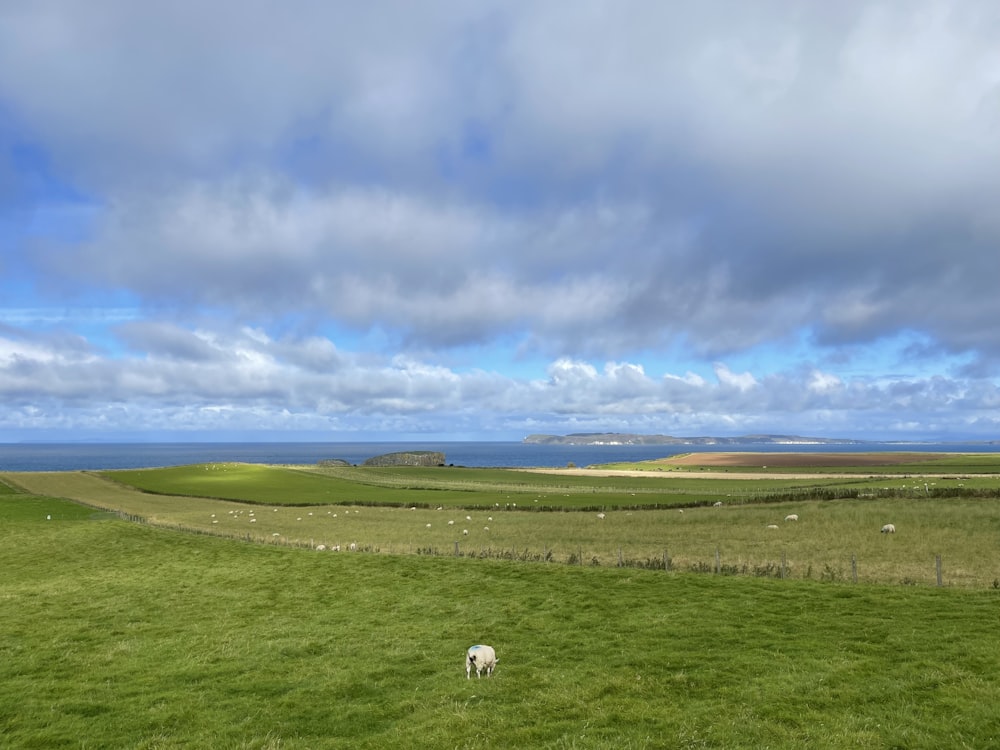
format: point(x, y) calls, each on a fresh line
point(742, 382)
point(564, 183)
point(822, 382)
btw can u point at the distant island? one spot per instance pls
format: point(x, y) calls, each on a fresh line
point(628, 438)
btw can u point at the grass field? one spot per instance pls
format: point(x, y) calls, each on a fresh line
point(123, 635)
point(548, 517)
point(498, 514)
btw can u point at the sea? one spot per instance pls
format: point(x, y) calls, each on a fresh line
point(108, 456)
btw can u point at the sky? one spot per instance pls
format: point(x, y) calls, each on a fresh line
point(325, 220)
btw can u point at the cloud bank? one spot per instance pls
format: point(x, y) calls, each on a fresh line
point(498, 218)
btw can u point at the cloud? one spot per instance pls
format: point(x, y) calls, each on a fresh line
point(354, 198)
point(202, 382)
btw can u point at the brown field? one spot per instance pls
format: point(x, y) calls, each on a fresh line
point(795, 460)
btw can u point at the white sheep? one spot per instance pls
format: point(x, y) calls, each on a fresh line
point(772, 526)
point(717, 504)
point(888, 529)
point(601, 516)
point(792, 517)
point(480, 658)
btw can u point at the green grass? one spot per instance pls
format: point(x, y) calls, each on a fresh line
point(963, 531)
point(118, 635)
point(504, 488)
point(448, 487)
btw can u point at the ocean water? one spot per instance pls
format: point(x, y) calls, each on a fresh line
point(97, 456)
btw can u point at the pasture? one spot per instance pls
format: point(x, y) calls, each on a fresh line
point(125, 635)
point(663, 521)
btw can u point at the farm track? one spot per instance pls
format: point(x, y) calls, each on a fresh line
point(88, 489)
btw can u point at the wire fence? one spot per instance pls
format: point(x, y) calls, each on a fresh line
point(712, 564)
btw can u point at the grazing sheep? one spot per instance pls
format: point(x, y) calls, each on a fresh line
point(888, 529)
point(792, 517)
point(772, 526)
point(601, 516)
point(465, 532)
point(480, 658)
point(717, 504)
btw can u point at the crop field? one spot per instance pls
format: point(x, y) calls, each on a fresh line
point(846, 463)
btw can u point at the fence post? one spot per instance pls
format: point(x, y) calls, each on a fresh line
point(937, 564)
point(580, 549)
point(854, 567)
point(782, 565)
point(620, 557)
point(666, 560)
point(456, 549)
point(718, 562)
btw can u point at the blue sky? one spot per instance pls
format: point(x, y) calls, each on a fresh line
point(389, 220)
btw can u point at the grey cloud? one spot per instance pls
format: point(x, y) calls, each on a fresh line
point(167, 341)
point(589, 180)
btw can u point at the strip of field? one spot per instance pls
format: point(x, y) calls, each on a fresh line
point(798, 460)
point(805, 465)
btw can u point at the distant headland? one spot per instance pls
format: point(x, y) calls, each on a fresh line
point(628, 438)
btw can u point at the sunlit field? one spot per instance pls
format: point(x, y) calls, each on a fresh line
point(948, 523)
point(127, 635)
point(205, 606)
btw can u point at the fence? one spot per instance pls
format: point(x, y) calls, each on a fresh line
point(780, 569)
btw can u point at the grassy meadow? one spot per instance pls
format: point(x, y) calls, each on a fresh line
point(657, 522)
point(120, 635)
point(214, 621)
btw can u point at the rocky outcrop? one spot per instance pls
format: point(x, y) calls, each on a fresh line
point(407, 458)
